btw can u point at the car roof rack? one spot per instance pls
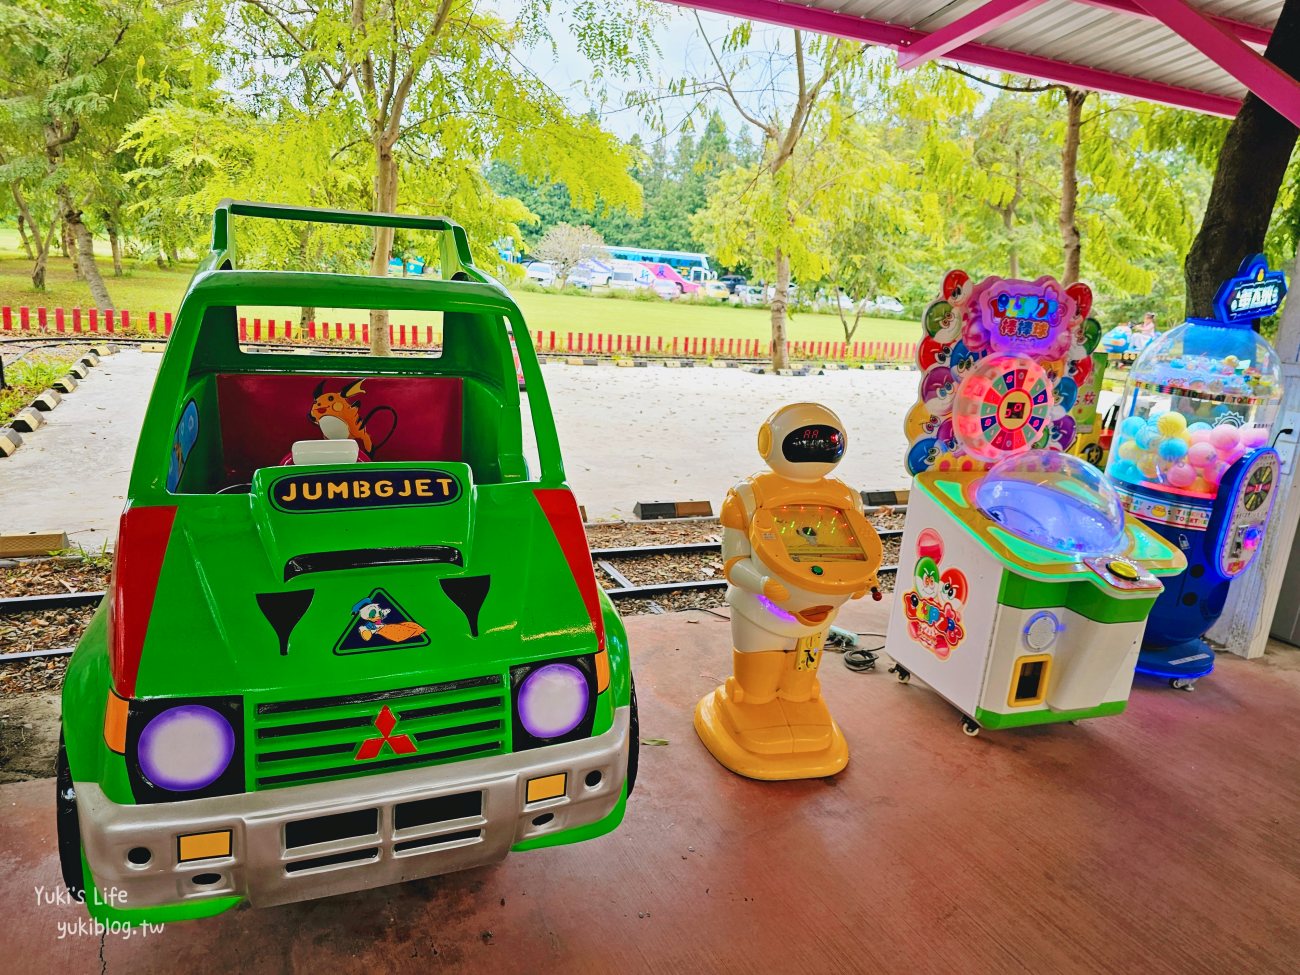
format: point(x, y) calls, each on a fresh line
point(454, 255)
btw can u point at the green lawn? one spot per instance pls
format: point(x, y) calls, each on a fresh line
point(145, 288)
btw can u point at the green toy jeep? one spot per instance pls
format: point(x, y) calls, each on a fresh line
point(351, 638)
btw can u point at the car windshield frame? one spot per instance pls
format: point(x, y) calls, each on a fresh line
point(197, 334)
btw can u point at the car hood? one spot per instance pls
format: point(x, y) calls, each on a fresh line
point(260, 599)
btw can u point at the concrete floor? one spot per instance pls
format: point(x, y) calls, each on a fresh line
point(1166, 839)
point(628, 435)
point(71, 475)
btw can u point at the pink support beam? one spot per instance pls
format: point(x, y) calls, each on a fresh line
point(1250, 33)
point(1225, 49)
point(987, 17)
point(980, 55)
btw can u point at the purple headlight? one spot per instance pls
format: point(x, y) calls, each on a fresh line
point(186, 748)
point(553, 700)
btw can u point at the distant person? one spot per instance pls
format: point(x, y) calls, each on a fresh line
point(1144, 332)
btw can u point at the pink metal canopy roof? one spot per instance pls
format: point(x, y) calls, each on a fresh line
point(1201, 55)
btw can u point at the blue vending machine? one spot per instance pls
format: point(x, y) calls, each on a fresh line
point(1193, 458)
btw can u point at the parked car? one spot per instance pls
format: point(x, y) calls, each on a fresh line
point(749, 295)
point(351, 638)
point(733, 281)
point(629, 276)
point(792, 295)
point(539, 272)
point(885, 303)
point(715, 289)
point(591, 273)
point(666, 289)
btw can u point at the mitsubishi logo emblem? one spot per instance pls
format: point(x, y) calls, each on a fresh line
point(385, 721)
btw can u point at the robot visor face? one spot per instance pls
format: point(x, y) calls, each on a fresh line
point(813, 444)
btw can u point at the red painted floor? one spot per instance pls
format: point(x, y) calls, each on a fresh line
point(1166, 839)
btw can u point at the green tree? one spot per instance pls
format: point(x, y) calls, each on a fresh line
point(774, 195)
point(70, 84)
point(1252, 164)
point(434, 85)
point(190, 157)
point(565, 246)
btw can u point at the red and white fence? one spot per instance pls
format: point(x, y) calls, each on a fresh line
point(92, 322)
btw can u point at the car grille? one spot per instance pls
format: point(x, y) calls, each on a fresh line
point(360, 734)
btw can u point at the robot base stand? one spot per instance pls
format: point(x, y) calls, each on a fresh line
point(780, 757)
point(1180, 664)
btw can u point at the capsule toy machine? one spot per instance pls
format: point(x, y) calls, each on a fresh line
point(1022, 590)
point(1192, 459)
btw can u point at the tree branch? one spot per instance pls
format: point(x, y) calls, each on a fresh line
point(997, 84)
point(766, 128)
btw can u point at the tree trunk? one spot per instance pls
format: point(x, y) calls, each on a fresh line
point(1071, 243)
point(115, 242)
point(85, 250)
point(22, 235)
point(43, 245)
point(1013, 249)
point(1252, 164)
point(38, 269)
point(385, 202)
point(308, 315)
point(780, 298)
point(68, 243)
point(169, 249)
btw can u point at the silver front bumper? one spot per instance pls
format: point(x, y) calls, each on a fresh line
point(263, 868)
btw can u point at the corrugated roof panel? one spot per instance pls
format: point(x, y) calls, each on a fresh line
point(1082, 34)
point(1070, 32)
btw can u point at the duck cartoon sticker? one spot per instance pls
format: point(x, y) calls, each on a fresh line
point(379, 623)
point(933, 606)
point(338, 415)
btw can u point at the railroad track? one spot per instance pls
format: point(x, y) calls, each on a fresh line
point(604, 558)
point(626, 589)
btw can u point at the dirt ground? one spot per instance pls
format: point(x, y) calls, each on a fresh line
point(29, 735)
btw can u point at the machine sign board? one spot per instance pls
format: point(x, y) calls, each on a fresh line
point(336, 490)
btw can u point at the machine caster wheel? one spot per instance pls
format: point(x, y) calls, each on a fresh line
point(1183, 683)
point(969, 727)
point(901, 672)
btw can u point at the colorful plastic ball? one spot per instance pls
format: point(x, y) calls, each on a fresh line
point(1181, 475)
point(1131, 426)
point(1172, 424)
point(1198, 426)
point(1149, 437)
point(1224, 438)
point(1213, 473)
point(1128, 450)
point(1199, 436)
point(1202, 455)
point(1253, 437)
point(1147, 465)
point(1126, 470)
point(1172, 449)
point(1233, 455)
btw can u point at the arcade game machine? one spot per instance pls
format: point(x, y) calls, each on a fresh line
point(1022, 591)
point(797, 547)
point(1192, 460)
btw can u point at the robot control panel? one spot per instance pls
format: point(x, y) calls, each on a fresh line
point(817, 533)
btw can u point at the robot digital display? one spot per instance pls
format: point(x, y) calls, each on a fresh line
point(1063, 582)
point(797, 547)
point(1191, 458)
